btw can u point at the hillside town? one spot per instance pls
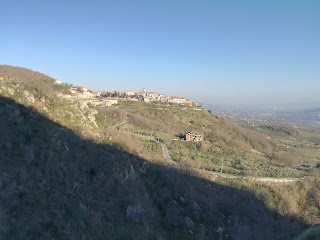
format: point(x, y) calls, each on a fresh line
point(85, 96)
point(107, 99)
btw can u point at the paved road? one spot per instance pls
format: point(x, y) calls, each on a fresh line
point(164, 148)
point(260, 179)
point(165, 152)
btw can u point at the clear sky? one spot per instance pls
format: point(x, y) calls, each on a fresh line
point(212, 51)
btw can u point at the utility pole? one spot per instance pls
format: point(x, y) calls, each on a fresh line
point(105, 120)
point(221, 165)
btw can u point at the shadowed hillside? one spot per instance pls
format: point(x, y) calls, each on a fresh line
point(56, 185)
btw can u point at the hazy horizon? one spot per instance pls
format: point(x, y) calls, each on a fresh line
point(212, 52)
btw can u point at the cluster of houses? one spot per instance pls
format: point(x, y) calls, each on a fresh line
point(103, 102)
point(78, 92)
point(86, 96)
point(90, 98)
point(158, 97)
point(99, 99)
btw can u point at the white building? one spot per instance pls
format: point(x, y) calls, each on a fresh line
point(87, 95)
point(58, 82)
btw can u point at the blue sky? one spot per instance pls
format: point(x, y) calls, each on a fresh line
point(218, 52)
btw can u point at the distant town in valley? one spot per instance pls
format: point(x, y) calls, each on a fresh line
point(269, 115)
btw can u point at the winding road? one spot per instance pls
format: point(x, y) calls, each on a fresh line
point(165, 152)
point(164, 148)
point(259, 179)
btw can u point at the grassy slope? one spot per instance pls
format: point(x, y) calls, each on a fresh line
point(310, 234)
point(302, 144)
point(244, 151)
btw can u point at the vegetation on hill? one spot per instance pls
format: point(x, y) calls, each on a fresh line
point(67, 173)
point(243, 151)
point(310, 234)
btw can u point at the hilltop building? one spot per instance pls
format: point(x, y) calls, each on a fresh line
point(58, 82)
point(178, 100)
point(83, 89)
point(130, 93)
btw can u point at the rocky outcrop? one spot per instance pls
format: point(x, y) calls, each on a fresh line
point(189, 223)
point(28, 97)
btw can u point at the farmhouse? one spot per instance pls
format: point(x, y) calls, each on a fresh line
point(193, 136)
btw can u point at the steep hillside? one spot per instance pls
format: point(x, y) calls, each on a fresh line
point(40, 92)
point(66, 173)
